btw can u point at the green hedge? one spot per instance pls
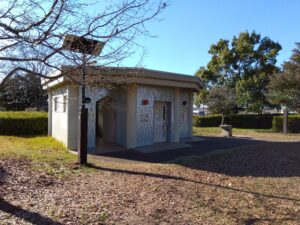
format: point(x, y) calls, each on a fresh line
point(293, 123)
point(207, 121)
point(251, 121)
point(23, 123)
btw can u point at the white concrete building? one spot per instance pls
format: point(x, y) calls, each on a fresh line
point(144, 107)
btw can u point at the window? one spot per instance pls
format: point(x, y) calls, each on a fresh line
point(55, 104)
point(65, 103)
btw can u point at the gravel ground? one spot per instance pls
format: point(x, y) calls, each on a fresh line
point(255, 185)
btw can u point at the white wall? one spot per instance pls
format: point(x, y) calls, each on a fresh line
point(73, 113)
point(59, 117)
point(64, 121)
point(65, 124)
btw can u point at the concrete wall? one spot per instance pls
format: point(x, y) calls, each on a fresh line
point(96, 94)
point(63, 120)
point(145, 112)
point(184, 113)
point(131, 119)
point(191, 101)
point(134, 121)
point(59, 117)
point(180, 115)
point(50, 113)
point(119, 95)
point(73, 113)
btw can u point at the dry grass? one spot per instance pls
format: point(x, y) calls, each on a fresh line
point(251, 185)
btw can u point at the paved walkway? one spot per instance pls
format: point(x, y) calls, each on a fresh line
point(204, 146)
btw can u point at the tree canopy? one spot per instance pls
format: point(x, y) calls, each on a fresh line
point(245, 65)
point(284, 87)
point(21, 92)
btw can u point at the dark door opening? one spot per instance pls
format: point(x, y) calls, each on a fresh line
point(105, 121)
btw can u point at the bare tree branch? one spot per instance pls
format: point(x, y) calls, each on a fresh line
point(32, 32)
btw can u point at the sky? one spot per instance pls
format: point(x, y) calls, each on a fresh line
point(189, 27)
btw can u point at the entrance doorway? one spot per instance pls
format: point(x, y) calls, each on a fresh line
point(105, 121)
point(161, 121)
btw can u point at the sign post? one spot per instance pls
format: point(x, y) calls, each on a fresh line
point(86, 47)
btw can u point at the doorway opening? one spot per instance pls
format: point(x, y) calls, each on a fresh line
point(105, 121)
point(161, 121)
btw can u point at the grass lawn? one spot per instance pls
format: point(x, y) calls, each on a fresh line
point(38, 149)
point(256, 133)
point(39, 184)
point(43, 153)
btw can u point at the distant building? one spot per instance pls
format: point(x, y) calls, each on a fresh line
point(201, 110)
point(155, 106)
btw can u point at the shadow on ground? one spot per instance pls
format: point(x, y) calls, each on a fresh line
point(258, 158)
point(3, 175)
point(32, 217)
point(179, 178)
point(209, 144)
point(17, 211)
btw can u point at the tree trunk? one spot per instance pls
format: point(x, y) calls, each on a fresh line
point(222, 123)
point(285, 120)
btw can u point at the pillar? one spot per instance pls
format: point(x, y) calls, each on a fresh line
point(190, 121)
point(50, 102)
point(131, 117)
point(72, 115)
point(176, 130)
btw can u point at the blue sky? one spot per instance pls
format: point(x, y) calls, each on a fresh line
point(191, 26)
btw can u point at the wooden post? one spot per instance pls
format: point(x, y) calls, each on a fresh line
point(82, 150)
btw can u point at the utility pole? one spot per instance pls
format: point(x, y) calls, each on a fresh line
point(86, 47)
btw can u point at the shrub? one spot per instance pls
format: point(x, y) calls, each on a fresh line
point(23, 123)
point(207, 121)
point(293, 123)
point(251, 121)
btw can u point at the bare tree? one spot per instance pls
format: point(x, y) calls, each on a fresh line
point(32, 32)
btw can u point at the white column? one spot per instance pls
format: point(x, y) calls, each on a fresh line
point(50, 114)
point(131, 120)
point(72, 115)
point(191, 102)
point(176, 130)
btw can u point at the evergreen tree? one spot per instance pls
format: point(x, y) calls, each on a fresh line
point(284, 87)
point(244, 64)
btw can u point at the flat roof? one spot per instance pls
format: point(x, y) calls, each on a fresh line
point(130, 75)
